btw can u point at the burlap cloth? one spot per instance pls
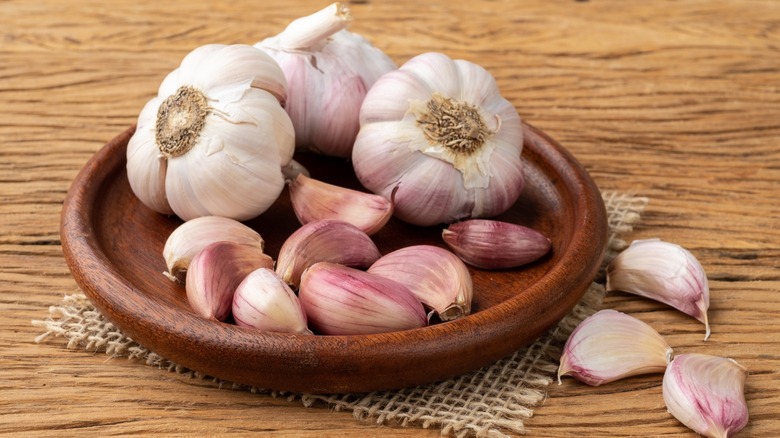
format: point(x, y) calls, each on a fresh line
point(489, 402)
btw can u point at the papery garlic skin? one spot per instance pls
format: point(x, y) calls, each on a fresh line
point(437, 277)
point(315, 200)
point(707, 394)
point(263, 301)
point(214, 140)
point(193, 236)
point(664, 272)
point(329, 70)
point(490, 244)
point(326, 240)
point(215, 273)
point(339, 300)
point(610, 345)
point(440, 131)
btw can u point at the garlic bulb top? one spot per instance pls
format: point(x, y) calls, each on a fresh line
point(214, 140)
point(329, 70)
point(439, 129)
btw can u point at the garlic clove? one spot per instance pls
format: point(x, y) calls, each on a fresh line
point(192, 236)
point(490, 244)
point(437, 277)
point(664, 272)
point(315, 200)
point(215, 273)
point(707, 394)
point(610, 345)
point(263, 301)
point(326, 240)
point(339, 300)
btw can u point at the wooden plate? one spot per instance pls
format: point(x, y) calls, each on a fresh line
point(113, 246)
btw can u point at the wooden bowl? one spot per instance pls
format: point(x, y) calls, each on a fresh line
point(113, 246)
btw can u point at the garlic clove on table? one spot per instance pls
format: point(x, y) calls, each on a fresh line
point(215, 139)
point(339, 300)
point(707, 394)
point(327, 240)
point(490, 244)
point(440, 131)
point(189, 238)
point(665, 272)
point(215, 273)
point(437, 277)
point(610, 345)
point(315, 200)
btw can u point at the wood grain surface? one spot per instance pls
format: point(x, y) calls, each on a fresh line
point(677, 101)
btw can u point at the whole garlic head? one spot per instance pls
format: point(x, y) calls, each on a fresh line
point(329, 70)
point(439, 130)
point(215, 139)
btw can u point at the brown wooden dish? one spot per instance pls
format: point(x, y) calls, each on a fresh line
point(113, 246)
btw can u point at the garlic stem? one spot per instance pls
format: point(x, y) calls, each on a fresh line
point(306, 32)
point(292, 170)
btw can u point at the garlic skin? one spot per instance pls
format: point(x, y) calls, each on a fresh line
point(339, 300)
point(664, 272)
point(263, 301)
point(315, 200)
point(214, 140)
point(437, 277)
point(610, 345)
point(490, 244)
point(193, 236)
point(440, 131)
point(707, 394)
point(327, 240)
point(215, 273)
point(329, 70)
point(292, 170)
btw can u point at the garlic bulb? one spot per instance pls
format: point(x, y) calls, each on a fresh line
point(191, 237)
point(214, 140)
point(610, 345)
point(263, 301)
point(339, 300)
point(664, 272)
point(490, 244)
point(326, 240)
point(437, 277)
point(315, 200)
point(707, 394)
point(215, 273)
point(329, 70)
point(440, 131)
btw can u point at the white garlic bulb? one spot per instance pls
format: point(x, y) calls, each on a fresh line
point(329, 70)
point(215, 139)
point(440, 131)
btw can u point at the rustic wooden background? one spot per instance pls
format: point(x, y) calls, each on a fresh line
point(677, 101)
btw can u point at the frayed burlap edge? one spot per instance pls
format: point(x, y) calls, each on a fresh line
point(489, 402)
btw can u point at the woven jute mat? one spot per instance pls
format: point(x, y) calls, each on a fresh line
point(489, 402)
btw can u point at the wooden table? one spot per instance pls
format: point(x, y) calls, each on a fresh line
point(677, 101)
